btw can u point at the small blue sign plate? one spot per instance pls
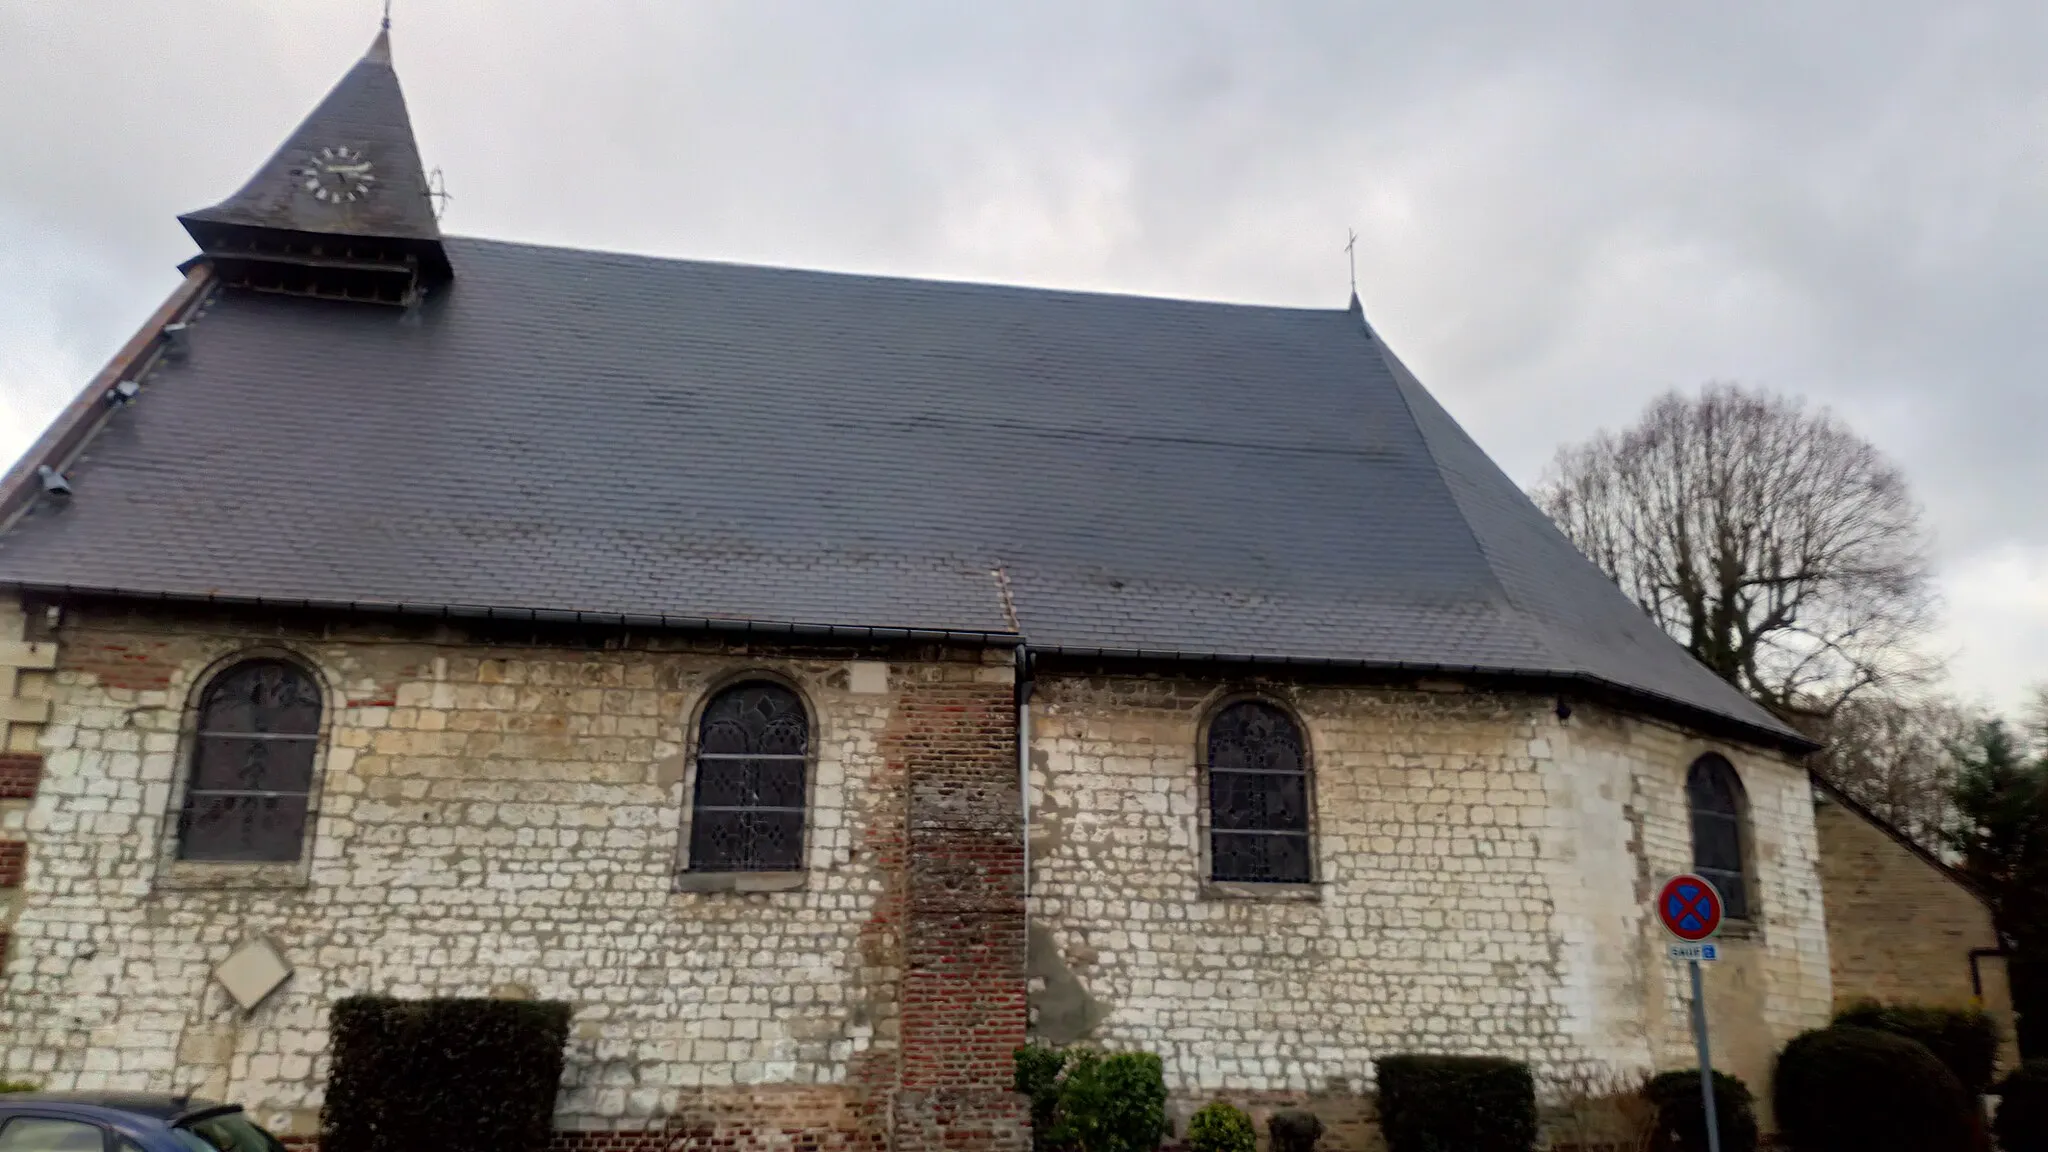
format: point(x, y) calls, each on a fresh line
point(1704, 953)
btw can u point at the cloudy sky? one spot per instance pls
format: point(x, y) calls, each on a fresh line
point(1562, 209)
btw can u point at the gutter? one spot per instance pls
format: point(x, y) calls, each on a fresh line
point(68, 433)
point(1977, 976)
point(656, 620)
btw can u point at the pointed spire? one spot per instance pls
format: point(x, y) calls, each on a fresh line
point(380, 48)
point(349, 172)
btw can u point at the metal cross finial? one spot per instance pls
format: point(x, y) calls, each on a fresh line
point(437, 192)
point(1351, 251)
point(387, 15)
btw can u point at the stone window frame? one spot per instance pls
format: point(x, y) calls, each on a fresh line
point(174, 873)
point(1750, 925)
point(686, 880)
point(1213, 889)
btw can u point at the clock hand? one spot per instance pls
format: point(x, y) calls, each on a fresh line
point(349, 169)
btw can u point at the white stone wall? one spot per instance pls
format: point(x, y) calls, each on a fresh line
point(491, 822)
point(1485, 873)
point(504, 821)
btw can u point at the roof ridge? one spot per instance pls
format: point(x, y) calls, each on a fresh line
point(624, 256)
point(1403, 379)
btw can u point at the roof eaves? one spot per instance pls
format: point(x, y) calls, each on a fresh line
point(1658, 703)
point(61, 441)
point(1836, 794)
point(515, 614)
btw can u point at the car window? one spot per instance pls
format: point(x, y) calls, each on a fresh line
point(44, 1134)
point(229, 1132)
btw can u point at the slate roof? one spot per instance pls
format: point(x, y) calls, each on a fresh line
point(573, 431)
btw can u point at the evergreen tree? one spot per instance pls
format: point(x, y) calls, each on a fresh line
point(2001, 799)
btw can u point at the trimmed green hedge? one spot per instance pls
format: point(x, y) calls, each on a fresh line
point(1682, 1115)
point(18, 1086)
point(1862, 1090)
point(1222, 1127)
point(443, 1075)
point(1964, 1039)
point(2022, 1122)
point(1456, 1104)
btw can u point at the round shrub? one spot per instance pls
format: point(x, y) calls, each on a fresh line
point(1114, 1103)
point(1682, 1115)
point(1965, 1039)
point(1222, 1127)
point(1861, 1090)
point(1294, 1130)
point(2022, 1123)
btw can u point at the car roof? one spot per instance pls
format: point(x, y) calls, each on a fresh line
point(162, 1106)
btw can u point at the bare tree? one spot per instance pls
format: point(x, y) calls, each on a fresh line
point(1898, 758)
point(2034, 718)
point(1779, 547)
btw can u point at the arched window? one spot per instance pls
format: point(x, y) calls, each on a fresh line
point(1258, 796)
point(251, 776)
point(748, 813)
point(1714, 794)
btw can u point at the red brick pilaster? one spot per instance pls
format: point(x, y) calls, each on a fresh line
point(963, 1007)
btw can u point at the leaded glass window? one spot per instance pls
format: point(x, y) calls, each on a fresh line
point(748, 813)
point(1714, 793)
point(251, 778)
point(1258, 796)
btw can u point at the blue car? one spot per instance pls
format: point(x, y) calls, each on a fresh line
point(125, 1122)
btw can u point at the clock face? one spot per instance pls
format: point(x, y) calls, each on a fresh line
point(337, 175)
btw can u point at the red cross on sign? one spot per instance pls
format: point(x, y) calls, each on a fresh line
point(1689, 907)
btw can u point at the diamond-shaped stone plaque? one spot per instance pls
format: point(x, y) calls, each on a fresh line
point(252, 972)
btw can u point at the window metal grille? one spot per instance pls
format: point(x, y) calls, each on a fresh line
point(1258, 796)
point(1714, 793)
point(748, 812)
point(251, 775)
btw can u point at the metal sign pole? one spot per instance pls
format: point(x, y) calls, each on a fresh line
point(1699, 1035)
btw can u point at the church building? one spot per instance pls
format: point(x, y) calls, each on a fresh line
point(825, 684)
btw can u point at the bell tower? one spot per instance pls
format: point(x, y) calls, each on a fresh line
point(342, 210)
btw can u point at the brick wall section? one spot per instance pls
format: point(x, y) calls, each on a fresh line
point(785, 1118)
point(963, 981)
point(20, 773)
point(131, 663)
point(1900, 929)
point(504, 819)
point(13, 863)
